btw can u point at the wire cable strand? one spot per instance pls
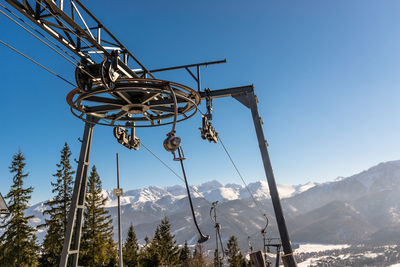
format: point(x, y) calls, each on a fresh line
point(38, 32)
point(47, 44)
point(37, 63)
point(241, 177)
point(239, 229)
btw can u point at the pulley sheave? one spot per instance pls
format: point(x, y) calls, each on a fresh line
point(145, 102)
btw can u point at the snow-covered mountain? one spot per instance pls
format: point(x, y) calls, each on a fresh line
point(364, 207)
point(212, 191)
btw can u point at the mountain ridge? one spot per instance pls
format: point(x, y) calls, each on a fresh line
point(358, 208)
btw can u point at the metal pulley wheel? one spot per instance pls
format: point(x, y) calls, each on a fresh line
point(172, 143)
point(108, 75)
point(82, 78)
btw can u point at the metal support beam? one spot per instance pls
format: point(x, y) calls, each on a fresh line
point(120, 256)
point(184, 66)
point(246, 96)
point(75, 216)
point(288, 258)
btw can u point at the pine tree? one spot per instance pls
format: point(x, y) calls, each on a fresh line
point(199, 259)
point(97, 245)
point(166, 245)
point(184, 256)
point(130, 250)
point(18, 241)
point(149, 256)
point(58, 211)
point(235, 257)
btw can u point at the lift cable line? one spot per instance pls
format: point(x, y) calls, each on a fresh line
point(37, 63)
point(38, 32)
point(241, 177)
point(44, 42)
point(239, 229)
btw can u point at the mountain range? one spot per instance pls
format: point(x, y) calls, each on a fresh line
point(361, 208)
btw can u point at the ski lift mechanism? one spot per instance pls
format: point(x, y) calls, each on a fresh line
point(119, 91)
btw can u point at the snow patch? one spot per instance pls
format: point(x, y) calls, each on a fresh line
point(305, 248)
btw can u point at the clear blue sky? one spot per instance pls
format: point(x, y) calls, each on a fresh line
point(326, 74)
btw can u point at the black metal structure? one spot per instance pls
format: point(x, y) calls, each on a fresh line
point(115, 89)
point(246, 96)
point(217, 227)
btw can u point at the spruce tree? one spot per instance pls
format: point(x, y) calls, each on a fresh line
point(97, 245)
point(199, 259)
point(130, 250)
point(19, 248)
point(58, 211)
point(166, 245)
point(149, 256)
point(235, 257)
point(184, 256)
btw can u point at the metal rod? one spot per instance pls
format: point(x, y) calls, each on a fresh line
point(278, 251)
point(75, 214)
point(185, 66)
point(121, 264)
point(287, 248)
point(202, 237)
point(240, 90)
point(198, 78)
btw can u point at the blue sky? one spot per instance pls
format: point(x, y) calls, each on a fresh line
point(326, 74)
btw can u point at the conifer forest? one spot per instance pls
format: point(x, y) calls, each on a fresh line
point(19, 245)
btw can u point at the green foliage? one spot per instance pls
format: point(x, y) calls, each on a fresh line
point(149, 256)
point(97, 245)
point(199, 259)
point(184, 255)
point(58, 211)
point(130, 249)
point(18, 242)
point(235, 257)
point(166, 245)
point(162, 249)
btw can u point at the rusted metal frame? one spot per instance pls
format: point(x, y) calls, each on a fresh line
point(41, 23)
point(28, 6)
point(114, 38)
point(60, 23)
point(79, 30)
point(58, 26)
point(81, 33)
point(83, 21)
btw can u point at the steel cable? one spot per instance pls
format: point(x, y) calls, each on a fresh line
point(241, 177)
point(37, 37)
point(193, 188)
point(38, 32)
